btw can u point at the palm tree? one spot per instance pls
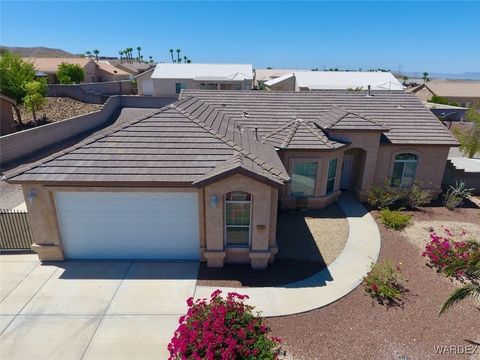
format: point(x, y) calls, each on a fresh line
point(96, 52)
point(121, 56)
point(88, 53)
point(151, 59)
point(178, 55)
point(185, 59)
point(425, 77)
point(171, 54)
point(139, 56)
point(468, 290)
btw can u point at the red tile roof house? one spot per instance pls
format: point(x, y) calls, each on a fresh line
point(203, 177)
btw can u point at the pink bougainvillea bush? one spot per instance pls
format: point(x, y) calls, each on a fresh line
point(450, 254)
point(224, 329)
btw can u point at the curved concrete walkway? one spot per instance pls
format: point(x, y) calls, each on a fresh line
point(330, 284)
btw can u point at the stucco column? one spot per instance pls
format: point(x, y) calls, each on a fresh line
point(42, 217)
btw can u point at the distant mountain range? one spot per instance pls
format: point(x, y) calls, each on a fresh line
point(38, 51)
point(450, 76)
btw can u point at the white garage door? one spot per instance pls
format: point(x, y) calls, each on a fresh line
point(147, 87)
point(120, 225)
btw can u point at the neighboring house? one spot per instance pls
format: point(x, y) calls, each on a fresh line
point(325, 80)
point(447, 112)
point(134, 68)
point(145, 83)
point(94, 72)
point(463, 92)
point(7, 122)
point(171, 79)
point(203, 177)
point(264, 75)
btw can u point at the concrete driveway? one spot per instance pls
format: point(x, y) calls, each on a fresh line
point(90, 310)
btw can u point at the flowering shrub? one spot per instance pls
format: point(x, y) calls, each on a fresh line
point(225, 329)
point(450, 254)
point(384, 283)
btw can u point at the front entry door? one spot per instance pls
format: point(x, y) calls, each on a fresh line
point(346, 172)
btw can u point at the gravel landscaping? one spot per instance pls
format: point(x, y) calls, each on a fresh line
point(356, 327)
point(58, 108)
point(307, 242)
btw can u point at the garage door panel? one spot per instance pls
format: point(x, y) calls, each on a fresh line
point(102, 225)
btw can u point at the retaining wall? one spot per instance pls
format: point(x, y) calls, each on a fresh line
point(20, 146)
point(92, 92)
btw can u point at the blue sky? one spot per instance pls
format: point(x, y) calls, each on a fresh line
point(418, 36)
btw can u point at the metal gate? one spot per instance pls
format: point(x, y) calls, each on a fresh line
point(14, 230)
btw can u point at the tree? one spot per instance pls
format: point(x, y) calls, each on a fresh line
point(404, 78)
point(425, 77)
point(139, 55)
point(121, 56)
point(178, 55)
point(171, 54)
point(70, 73)
point(185, 59)
point(88, 53)
point(14, 74)
point(96, 52)
point(151, 59)
point(470, 139)
point(35, 98)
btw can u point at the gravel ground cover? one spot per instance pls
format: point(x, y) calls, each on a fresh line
point(355, 327)
point(307, 241)
point(58, 108)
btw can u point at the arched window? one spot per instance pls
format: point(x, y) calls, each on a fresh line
point(237, 218)
point(404, 170)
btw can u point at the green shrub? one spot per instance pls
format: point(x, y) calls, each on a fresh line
point(417, 197)
point(381, 197)
point(70, 73)
point(395, 219)
point(384, 283)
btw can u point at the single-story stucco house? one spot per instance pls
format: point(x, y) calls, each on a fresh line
point(334, 80)
point(170, 79)
point(463, 92)
point(203, 177)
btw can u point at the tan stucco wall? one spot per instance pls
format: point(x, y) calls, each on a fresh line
point(263, 223)
point(47, 236)
point(320, 199)
point(430, 166)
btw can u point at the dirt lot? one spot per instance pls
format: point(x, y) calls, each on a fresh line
point(59, 108)
point(356, 327)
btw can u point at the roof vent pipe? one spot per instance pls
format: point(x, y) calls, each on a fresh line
point(369, 92)
point(256, 134)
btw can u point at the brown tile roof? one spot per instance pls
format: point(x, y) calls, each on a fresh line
point(338, 118)
point(167, 145)
point(407, 120)
point(50, 65)
point(299, 134)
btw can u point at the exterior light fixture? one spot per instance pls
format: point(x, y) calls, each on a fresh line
point(213, 201)
point(32, 195)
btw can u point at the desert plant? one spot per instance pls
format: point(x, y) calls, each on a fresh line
point(384, 283)
point(470, 140)
point(223, 329)
point(417, 197)
point(381, 197)
point(455, 195)
point(395, 219)
point(458, 259)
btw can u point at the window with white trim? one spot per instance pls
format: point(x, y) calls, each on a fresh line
point(404, 169)
point(237, 218)
point(332, 173)
point(304, 177)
